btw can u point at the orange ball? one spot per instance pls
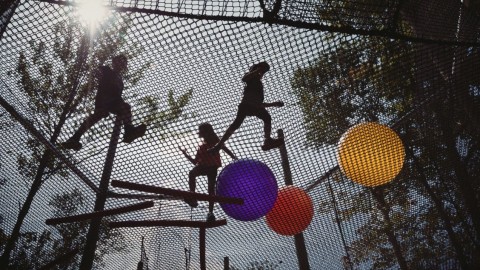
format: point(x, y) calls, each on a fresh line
point(292, 212)
point(370, 154)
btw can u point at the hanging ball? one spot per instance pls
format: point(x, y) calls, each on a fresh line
point(252, 181)
point(370, 154)
point(292, 212)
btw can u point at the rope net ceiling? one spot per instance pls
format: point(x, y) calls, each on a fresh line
point(407, 65)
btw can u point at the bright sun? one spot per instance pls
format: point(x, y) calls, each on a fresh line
point(91, 12)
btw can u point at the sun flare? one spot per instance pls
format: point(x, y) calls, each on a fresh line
point(91, 12)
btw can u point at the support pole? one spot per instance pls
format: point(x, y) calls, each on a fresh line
point(226, 263)
point(203, 263)
point(94, 229)
point(302, 255)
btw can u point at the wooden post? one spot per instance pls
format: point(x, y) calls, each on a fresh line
point(226, 263)
point(94, 229)
point(302, 255)
point(203, 263)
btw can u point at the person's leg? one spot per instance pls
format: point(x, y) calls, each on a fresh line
point(267, 122)
point(124, 111)
point(196, 171)
point(74, 141)
point(241, 114)
point(269, 143)
point(212, 180)
point(192, 180)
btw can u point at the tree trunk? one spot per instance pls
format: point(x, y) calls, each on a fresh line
point(447, 221)
point(37, 182)
point(44, 161)
point(388, 229)
point(463, 179)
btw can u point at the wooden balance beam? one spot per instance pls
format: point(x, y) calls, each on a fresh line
point(168, 223)
point(101, 213)
point(175, 192)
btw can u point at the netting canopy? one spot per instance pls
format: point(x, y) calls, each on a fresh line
point(369, 109)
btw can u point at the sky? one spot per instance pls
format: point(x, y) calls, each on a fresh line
point(210, 58)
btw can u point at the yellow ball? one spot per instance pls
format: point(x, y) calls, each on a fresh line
point(370, 154)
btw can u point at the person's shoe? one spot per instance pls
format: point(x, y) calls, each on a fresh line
point(72, 144)
point(132, 133)
point(270, 143)
point(210, 217)
point(193, 203)
point(214, 149)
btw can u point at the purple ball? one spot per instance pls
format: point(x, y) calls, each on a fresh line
point(252, 181)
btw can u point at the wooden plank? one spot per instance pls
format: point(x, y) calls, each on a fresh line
point(168, 223)
point(102, 213)
point(175, 192)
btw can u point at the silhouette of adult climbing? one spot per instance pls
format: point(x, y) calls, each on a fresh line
point(252, 105)
point(205, 164)
point(109, 100)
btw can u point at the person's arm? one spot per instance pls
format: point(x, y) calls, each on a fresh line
point(230, 153)
point(256, 73)
point(192, 160)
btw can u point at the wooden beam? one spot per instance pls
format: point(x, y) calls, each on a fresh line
point(175, 192)
point(102, 213)
point(203, 263)
point(168, 223)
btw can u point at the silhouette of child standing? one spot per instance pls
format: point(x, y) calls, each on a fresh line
point(205, 164)
point(109, 100)
point(252, 105)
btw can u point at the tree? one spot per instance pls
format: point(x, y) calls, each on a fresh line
point(260, 265)
point(58, 82)
point(373, 79)
point(263, 265)
point(37, 249)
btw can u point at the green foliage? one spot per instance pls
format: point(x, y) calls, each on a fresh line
point(35, 249)
point(369, 14)
point(260, 265)
point(373, 79)
point(58, 79)
point(157, 118)
point(263, 265)
point(360, 82)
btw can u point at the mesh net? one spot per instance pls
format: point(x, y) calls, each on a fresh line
point(408, 65)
